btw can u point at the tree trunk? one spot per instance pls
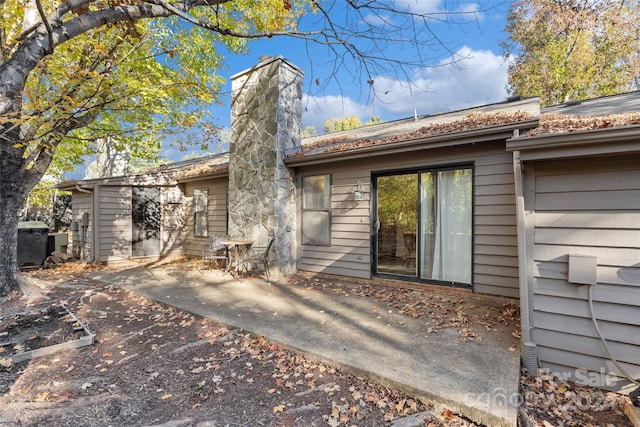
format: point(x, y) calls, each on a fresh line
point(12, 193)
point(11, 197)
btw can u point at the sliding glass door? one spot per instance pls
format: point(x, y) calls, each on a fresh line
point(424, 225)
point(397, 224)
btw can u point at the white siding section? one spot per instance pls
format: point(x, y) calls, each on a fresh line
point(587, 207)
point(216, 215)
point(495, 243)
point(115, 223)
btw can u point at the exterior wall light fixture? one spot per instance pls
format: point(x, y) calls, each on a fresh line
point(358, 193)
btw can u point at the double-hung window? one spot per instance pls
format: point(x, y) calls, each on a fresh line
point(200, 204)
point(316, 210)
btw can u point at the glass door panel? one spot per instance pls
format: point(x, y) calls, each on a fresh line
point(397, 220)
point(446, 224)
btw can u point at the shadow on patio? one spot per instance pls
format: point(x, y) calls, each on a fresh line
point(453, 349)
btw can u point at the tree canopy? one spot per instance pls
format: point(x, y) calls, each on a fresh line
point(573, 49)
point(335, 124)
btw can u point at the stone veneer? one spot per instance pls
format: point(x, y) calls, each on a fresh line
point(266, 111)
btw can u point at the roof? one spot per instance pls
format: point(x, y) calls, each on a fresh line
point(591, 114)
point(486, 116)
point(168, 174)
point(595, 127)
point(613, 104)
point(191, 168)
point(500, 120)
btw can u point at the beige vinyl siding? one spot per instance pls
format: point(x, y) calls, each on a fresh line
point(495, 249)
point(587, 207)
point(81, 239)
point(216, 213)
point(115, 223)
point(350, 251)
point(495, 242)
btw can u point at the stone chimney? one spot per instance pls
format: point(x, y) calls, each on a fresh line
point(266, 112)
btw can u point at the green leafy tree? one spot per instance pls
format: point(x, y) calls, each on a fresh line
point(335, 125)
point(573, 49)
point(374, 120)
point(308, 131)
point(74, 71)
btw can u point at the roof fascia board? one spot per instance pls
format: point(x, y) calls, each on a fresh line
point(125, 181)
point(577, 144)
point(430, 142)
point(133, 180)
point(221, 174)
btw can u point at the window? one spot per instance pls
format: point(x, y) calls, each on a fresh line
point(200, 203)
point(316, 210)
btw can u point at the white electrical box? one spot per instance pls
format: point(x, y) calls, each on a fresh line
point(174, 195)
point(583, 269)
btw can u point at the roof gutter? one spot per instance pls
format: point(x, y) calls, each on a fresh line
point(595, 142)
point(431, 142)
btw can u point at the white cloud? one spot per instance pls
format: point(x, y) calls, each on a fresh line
point(478, 79)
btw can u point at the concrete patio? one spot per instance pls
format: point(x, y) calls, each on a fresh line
point(477, 379)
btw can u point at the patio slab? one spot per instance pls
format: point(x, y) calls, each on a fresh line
point(477, 379)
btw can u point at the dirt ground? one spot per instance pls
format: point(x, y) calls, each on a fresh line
point(153, 365)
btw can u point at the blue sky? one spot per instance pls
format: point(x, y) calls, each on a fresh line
point(439, 86)
point(478, 77)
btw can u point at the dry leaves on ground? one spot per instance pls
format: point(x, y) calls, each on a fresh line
point(155, 365)
point(551, 401)
point(469, 314)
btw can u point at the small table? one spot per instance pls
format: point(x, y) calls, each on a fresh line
point(236, 256)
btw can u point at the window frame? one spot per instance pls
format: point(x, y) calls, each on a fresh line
point(324, 240)
point(419, 255)
point(198, 213)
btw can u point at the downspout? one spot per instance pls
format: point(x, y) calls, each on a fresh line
point(91, 209)
point(528, 348)
point(96, 223)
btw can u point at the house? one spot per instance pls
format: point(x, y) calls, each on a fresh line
point(498, 200)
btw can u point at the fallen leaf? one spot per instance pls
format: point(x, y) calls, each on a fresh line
point(41, 397)
point(278, 408)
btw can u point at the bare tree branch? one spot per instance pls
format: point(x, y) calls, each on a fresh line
point(46, 24)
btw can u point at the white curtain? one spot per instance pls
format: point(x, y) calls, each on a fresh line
point(446, 225)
